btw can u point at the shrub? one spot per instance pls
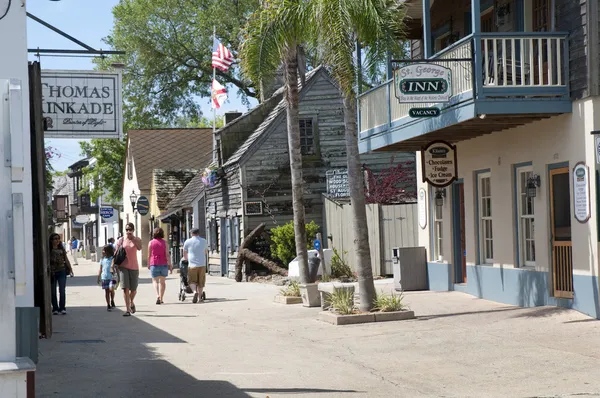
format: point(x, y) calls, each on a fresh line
point(339, 267)
point(292, 290)
point(283, 246)
point(342, 301)
point(389, 302)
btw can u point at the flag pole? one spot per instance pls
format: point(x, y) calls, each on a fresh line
point(214, 107)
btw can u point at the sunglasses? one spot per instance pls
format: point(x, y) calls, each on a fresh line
point(129, 230)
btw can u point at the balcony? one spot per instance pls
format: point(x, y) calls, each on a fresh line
point(508, 80)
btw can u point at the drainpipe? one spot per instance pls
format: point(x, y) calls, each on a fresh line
point(427, 28)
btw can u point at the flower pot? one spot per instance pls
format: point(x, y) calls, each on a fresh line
point(310, 295)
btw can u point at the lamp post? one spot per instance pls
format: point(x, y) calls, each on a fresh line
point(133, 198)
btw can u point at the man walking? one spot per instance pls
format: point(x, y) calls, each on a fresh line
point(195, 251)
point(74, 248)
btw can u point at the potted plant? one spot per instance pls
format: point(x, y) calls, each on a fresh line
point(290, 294)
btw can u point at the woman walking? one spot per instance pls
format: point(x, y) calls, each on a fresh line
point(159, 263)
point(60, 267)
point(130, 269)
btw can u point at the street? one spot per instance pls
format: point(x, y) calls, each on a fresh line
point(241, 344)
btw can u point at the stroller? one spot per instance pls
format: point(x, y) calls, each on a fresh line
point(184, 286)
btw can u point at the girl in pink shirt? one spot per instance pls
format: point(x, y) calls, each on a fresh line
point(159, 263)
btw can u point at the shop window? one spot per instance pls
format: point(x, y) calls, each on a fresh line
point(526, 223)
point(438, 213)
point(486, 240)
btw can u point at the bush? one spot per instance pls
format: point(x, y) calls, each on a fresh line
point(342, 301)
point(292, 290)
point(283, 246)
point(339, 267)
point(389, 303)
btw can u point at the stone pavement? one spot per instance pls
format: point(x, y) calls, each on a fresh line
point(241, 344)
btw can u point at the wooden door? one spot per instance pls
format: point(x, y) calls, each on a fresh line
point(458, 239)
point(560, 223)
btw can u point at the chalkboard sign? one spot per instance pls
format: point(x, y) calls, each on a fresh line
point(337, 183)
point(253, 208)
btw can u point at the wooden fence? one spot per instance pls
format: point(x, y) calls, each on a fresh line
point(389, 226)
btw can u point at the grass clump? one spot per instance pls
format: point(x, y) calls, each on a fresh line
point(389, 302)
point(342, 301)
point(339, 267)
point(291, 290)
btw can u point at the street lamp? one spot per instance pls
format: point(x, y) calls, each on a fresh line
point(133, 198)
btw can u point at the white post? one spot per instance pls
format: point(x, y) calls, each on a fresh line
point(214, 108)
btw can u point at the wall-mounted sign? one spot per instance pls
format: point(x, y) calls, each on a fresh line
point(253, 208)
point(337, 183)
point(422, 208)
point(424, 112)
point(82, 219)
point(439, 162)
point(107, 213)
point(81, 104)
point(423, 83)
point(581, 192)
point(142, 205)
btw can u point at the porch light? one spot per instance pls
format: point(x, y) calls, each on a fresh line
point(532, 184)
point(440, 194)
point(133, 198)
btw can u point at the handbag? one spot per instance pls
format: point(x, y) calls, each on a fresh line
point(120, 255)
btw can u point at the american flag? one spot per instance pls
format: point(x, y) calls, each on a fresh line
point(221, 56)
point(219, 94)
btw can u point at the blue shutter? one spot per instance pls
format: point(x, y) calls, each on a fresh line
point(236, 234)
point(228, 232)
point(208, 233)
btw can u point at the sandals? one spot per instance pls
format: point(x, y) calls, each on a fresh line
point(158, 301)
point(127, 313)
point(133, 309)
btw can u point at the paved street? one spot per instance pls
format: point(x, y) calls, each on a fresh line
point(240, 344)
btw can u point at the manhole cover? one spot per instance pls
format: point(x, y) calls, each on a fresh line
point(82, 341)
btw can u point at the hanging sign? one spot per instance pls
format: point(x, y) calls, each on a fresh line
point(581, 192)
point(142, 205)
point(81, 104)
point(597, 147)
point(423, 83)
point(439, 163)
point(107, 213)
point(422, 208)
point(423, 112)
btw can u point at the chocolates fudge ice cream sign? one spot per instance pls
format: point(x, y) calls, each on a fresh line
point(81, 104)
point(440, 167)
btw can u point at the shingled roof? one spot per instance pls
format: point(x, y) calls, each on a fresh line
point(191, 191)
point(169, 183)
point(168, 149)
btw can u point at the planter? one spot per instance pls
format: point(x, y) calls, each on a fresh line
point(337, 319)
point(310, 295)
point(394, 316)
point(287, 300)
point(325, 289)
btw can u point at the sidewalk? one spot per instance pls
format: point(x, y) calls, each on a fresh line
point(240, 344)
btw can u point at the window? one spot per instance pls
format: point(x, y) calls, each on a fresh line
point(526, 221)
point(307, 137)
point(486, 241)
point(437, 232)
point(130, 168)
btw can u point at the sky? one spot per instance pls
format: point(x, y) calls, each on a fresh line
point(89, 22)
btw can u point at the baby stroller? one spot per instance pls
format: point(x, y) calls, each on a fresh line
point(184, 286)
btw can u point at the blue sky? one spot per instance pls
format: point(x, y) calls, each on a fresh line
point(89, 22)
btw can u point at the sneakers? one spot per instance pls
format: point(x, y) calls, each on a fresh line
point(195, 300)
point(54, 312)
point(63, 312)
point(112, 303)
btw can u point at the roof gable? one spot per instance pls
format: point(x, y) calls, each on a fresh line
point(191, 191)
point(169, 183)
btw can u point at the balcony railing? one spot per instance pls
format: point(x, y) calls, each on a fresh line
point(513, 65)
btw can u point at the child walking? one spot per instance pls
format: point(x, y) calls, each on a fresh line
point(107, 275)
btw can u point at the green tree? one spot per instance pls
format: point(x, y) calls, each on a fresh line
point(273, 36)
point(168, 60)
point(377, 26)
point(106, 174)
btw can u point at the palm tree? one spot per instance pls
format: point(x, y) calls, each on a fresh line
point(273, 36)
point(376, 25)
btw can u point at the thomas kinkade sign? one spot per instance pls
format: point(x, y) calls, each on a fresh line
point(423, 83)
point(440, 167)
point(81, 104)
point(581, 192)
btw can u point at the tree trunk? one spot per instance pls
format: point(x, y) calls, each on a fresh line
point(271, 265)
point(245, 243)
point(292, 101)
point(362, 252)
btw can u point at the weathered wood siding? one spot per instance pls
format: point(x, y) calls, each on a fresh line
point(570, 16)
point(267, 171)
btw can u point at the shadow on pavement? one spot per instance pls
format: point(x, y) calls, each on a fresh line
point(502, 309)
point(296, 390)
point(542, 312)
point(96, 353)
point(92, 280)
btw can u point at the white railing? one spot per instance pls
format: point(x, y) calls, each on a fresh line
point(524, 60)
point(374, 106)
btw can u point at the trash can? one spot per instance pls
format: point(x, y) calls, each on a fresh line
point(313, 267)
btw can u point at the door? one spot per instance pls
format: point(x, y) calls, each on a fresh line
point(223, 246)
point(458, 238)
point(560, 223)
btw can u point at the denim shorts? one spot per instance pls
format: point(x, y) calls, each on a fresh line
point(159, 270)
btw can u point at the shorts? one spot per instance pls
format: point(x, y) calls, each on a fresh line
point(159, 270)
point(129, 278)
point(108, 284)
point(197, 276)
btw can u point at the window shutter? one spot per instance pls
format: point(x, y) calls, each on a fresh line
point(208, 234)
point(229, 237)
point(214, 233)
point(236, 234)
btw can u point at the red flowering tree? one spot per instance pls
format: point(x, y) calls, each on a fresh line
point(393, 185)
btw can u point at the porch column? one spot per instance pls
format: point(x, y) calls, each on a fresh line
point(427, 28)
point(476, 30)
